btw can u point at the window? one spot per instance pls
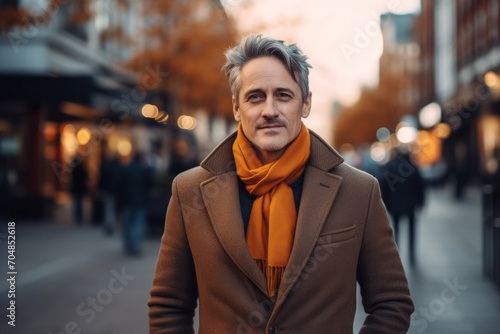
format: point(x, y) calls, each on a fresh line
point(74, 21)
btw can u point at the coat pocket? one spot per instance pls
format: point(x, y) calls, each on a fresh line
point(331, 237)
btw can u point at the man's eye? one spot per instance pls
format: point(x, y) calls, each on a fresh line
point(254, 97)
point(284, 96)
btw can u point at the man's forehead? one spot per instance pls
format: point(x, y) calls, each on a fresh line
point(266, 70)
point(264, 64)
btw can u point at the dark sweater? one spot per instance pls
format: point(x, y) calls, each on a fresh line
point(246, 200)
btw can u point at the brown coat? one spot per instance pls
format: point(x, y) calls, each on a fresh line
point(343, 236)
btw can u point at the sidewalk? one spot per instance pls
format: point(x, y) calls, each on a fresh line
point(447, 284)
point(76, 277)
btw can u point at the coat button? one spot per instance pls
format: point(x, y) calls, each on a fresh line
point(272, 329)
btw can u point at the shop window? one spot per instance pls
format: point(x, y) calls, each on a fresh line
point(489, 141)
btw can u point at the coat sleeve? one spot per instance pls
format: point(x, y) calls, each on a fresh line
point(174, 292)
point(384, 288)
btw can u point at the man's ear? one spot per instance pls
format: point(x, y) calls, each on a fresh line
point(306, 107)
point(236, 110)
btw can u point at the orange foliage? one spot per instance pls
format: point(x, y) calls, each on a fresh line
point(376, 108)
point(11, 17)
point(188, 40)
point(185, 38)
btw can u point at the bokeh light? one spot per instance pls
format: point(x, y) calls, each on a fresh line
point(430, 115)
point(491, 79)
point(161, 117)
point(186, 122)
point(383, 134)
point(124, 147)
point(378, 152)
point(83, 136)
point(442, 130)
point(406, 134)
point(149, 111)
point(427, 148)
point(69, 129)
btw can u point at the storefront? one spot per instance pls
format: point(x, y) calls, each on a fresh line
point(45, 122)
point(473, 154)
point(489, 148)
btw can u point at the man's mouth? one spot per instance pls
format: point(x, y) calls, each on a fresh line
point(271, 126)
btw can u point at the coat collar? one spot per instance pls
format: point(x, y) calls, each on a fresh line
point(221, 197)
point(221, 159)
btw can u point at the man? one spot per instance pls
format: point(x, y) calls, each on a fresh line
point(134, 184)
point(109, 175)
point(403, 193)
point(79, 187)
point(273, 230)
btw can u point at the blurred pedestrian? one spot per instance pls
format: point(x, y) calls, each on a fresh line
point(182, 158)
point(272, 232)
point(108, 185)
point(79, 187)
point(134, 183)
point(461, 170)
point(403, 192)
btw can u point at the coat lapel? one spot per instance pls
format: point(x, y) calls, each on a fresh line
point(221, 198)
point(318, 194)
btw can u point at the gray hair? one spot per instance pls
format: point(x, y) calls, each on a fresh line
point(255, 46)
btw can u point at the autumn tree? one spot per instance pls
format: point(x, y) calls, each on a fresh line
point(378, 107)
point(187, 39)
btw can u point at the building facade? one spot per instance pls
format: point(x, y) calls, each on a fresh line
point(400, 58)
point(64, 93)
point(462, 41)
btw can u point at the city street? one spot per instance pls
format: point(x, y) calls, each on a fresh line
point(103, 103)
point(76, 280)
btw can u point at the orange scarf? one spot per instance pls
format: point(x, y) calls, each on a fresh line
point(271, 228)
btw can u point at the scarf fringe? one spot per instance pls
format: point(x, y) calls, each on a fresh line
point(273, 276)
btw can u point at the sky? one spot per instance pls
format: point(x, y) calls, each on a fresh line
point(341, 38)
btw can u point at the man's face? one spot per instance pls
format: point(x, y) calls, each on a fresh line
point(269, 107)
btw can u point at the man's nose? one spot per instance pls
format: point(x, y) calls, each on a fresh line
point(269, 110)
